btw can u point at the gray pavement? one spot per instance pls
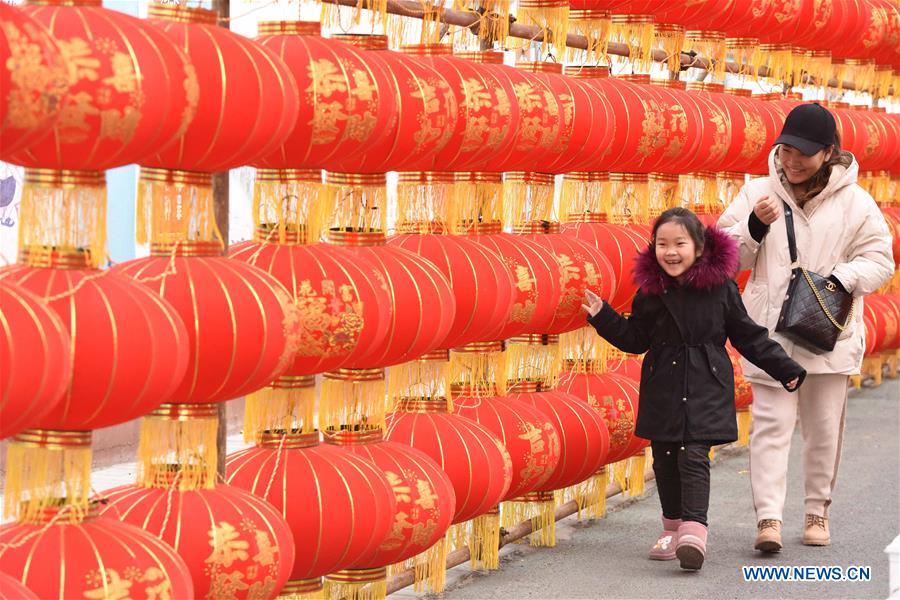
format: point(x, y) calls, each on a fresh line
point(606, 558)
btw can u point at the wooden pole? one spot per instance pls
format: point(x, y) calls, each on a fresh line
point(414, 9)
point(221, 206)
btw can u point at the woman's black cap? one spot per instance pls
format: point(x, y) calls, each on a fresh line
point(808, 128)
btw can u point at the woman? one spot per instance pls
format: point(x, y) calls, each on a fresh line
point(840, 233)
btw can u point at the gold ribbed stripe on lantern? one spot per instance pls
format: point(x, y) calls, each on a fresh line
point(302, 589)
point(288, 205)
point(63, 214)
point(595, 26)
point(709, 45)
point(287, 404)
point(48, 469)
point(175, 206)
point(182, 436)
point(636, 32)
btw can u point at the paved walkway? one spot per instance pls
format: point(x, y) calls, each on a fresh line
point(606, 558)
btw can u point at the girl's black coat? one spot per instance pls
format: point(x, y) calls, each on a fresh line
point(687, 381)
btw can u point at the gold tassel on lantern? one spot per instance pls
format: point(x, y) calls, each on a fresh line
point(620, 471)
point(818, 66)
point(534, 358)
point(355, 202)
point(175, 206)
point(636, 32)
point(745, 52)
point(583, 351)
point(728, 185)
point(425, 202)
point(883, 80)
point(744, 421)
point(585, 196)
point(552, 18)
point(670, 39)
point(357, 584)
point(711, 46)
point(663, 194)
point(700, 192)
point(287, 206)
point(288, 404)
point(777, 62)
point(590, 495)
point(426, 29)
point(484, 541)
point(637, 465)
point(477, 202)
point(426, 377)
point(47, 469)
point(528, 198)
point(859, 72)
point(181, 436)
point(63, 212)
point(480, 367)
point(540, 508)
point(595, 26)
point(493, 24)
point(630, 198)
point(431, 568)
point(352, 397)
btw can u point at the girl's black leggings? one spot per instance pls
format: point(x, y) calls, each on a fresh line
point(682, 479)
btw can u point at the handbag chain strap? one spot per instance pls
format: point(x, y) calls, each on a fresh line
point(792, 247)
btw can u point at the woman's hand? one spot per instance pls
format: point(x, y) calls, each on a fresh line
point(767, 210)
point(792, 384)
point(592, 303)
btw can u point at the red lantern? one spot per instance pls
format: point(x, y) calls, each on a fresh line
point(883, 311)
point(488, 112)
point(11, 589)
point(615, 399)
point(248, 101)
point(627, 367)
point(477, 464)
point(342, 313)
point(235, 313)
point(129, 347)
point(417, 290)
point(339, 507)
point(346, 104)
point(481, 283)
point(536, 277)
point(234, 544)
point(117, 64)
point(35, 359)
point(425, 498)
point(34, 78)
point(584, 439)
point(892, 216)
point(96, 558)
point(530, 438)
point(763, 20)
point(620, 244)
point(426, 109)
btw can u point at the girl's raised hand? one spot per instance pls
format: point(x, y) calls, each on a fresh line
point(792, 384)
point(592, 303)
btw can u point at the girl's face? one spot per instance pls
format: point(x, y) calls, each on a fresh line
point(798, 167)
point(675, 250)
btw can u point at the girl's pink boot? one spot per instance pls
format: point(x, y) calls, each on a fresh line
point(664, 549)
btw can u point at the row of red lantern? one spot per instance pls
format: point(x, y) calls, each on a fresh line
point(856, 29)
point(881, 317)
point(366, 110)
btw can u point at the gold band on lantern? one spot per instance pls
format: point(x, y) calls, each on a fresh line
point(536, 339)
point(313, 28)
point(488, 57)
point(587, 72)
point(288, 175)
point(458, 390)
point(739, 92)
point(176, 177)
point(706, 86)
point(363, 41)
point(482, 347)
point(182, 14)
point(540, 67)
point(588, 176)
point(589, 14)
point(184, 412)
point(53, 439)
point(356, 238)
point(48, 257)
point(427, 49)
point(349, 435)
point(294, 382)
point(413, 177)
point(641, 78)
point(358, 575)
point(629, 177)
point(435, 356)
point(477, 177)
point(535, 497)
point(297, 587)
point(489, 228)
point(588, 218)
point(675, 84)
point(526, 386)
point(64, 178)
point(186, 248)
point(360, 179)
point(289, 440)
point(586, 365)
point(355, 375)
point(536, 227)
point(530, 177)
point(421, 405)
point(269, 233)
point(61, 511)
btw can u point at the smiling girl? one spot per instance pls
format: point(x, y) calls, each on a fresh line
point(686, 308)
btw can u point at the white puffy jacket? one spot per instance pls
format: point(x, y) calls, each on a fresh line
point(840, 232)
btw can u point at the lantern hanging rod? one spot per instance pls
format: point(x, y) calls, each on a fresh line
point(414, 9)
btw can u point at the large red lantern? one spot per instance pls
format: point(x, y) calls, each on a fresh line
point(11, 589)
point(35, 359)
point(129, 347)
point(34, 78)
point(341, 312)
point(427, 113)
point(345, 104)
point(95, 558)
point(117, 63)
point(234, 544)
point(481, 283)
point(426, 504)
point(339, 507)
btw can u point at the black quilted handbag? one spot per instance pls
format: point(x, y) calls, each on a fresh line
point(815, 310)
